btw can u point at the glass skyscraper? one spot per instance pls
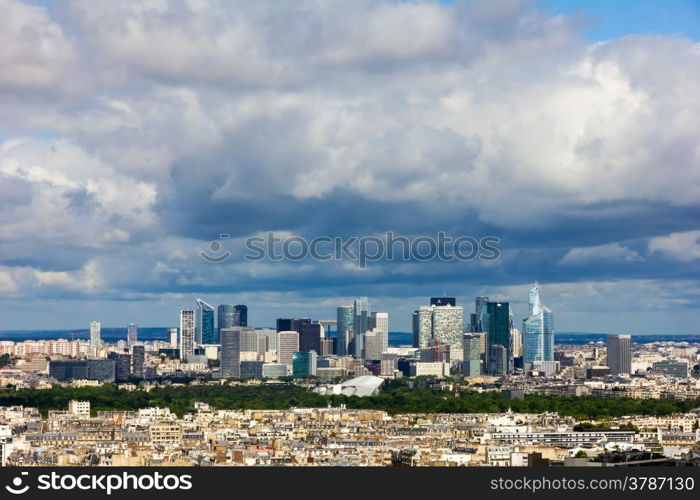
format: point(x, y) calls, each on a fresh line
point(538, 330)
point(229, 316)
point(95, 329)
point(242, 311)
point(360, 323)
point(478, 319)
point(132, 333)
point(304, 363)
point(499, 333)
point(204, 327)
point(345, 324)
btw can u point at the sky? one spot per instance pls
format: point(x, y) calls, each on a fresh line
point(132, 134)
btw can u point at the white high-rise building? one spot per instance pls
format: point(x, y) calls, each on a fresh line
point(288, 344)
point(380, 320)
point(444, 324)
point(186, 333)
point(95, 330)
point(517, 343)
point(376, 343)
point(172, 336)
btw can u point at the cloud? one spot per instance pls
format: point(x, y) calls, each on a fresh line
point(132, 134)
point(35, 55)
point(684, 247)
point(612, 252)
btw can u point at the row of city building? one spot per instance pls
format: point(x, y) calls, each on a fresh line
point(336, 436)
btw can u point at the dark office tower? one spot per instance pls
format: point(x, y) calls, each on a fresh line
point(310, 336)
point(89, 369)
point(284, 324)
point(619, 354)
point(251, 369)
point(478, 319)
point(227, 317)
point(122, 363)
point(204, 332)
point(360, 324)
point(499, 328)
point(443, 301)
point(138, 354)
point(242, 311)
point(416, 328)
point(345, 325)
point(132, 334)
point(297, 323)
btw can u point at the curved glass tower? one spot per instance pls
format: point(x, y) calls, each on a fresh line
point(538, 330)
point(204, 326)
point(345, 324)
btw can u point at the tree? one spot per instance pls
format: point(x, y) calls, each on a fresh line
point(5, 360)
point(581, 454)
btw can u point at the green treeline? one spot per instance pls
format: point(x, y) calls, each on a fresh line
point(395, 398)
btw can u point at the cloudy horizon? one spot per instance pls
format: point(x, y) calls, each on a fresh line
point(132, 134)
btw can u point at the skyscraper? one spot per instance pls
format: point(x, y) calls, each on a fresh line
point(204, 327)
point(172, 336)
point(443, 301)
point(239, 343)
point(304, 363)
point(444, 324)
point(538, 331)
point(242, 311)
point(186, 334)
point(379, 320)
point(289, 324)
point(478, 319)
point(288, 344)
point(620, 354)
point(360, 323)
point(95, 329)
point(122, 365)
point(471, 366)
point(499, 327)
point(376, 343)
point(310, 335)
point(227, 317)
point(132, 334)
point(138, 356)
point(498, 359)
point(345, 324)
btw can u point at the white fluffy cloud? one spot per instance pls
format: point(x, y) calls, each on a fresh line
point(34, 51)
point(684, 246)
